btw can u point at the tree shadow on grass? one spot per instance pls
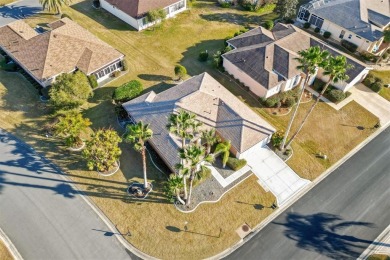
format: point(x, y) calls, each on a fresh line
point(152, 77)
point(319, 233)
point(246, 20)
point(102, 16)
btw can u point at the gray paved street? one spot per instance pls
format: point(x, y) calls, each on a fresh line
point(338, 218)
point(18, 10)
point(43, 215)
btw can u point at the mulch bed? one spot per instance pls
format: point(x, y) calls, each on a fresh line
point(208, 191)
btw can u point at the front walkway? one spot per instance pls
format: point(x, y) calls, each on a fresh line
point(275, 175)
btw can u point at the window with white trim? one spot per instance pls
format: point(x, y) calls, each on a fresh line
point(316, 21)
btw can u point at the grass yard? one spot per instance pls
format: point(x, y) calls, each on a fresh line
point(385, 76)
point(6, 2)
point(4, 253)
point(151, 56)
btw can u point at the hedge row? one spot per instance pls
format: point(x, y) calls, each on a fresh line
point(235, 163)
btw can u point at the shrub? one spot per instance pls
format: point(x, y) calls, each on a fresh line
point(379, 80)
point(268, 25)
point(7, 66)
point(327, 34)
point(224, 4)
point(125, 67)
point(367, 56)
point(385, 55)
point(66, 16)
point(272, 101)
point(235, 163)
point(180, 71)
point(349, 45)
point(226, 39)
point(203, 55)
point(227, 49)
point(306, 25)
point(115, 74)
point(92, 81)
point(289, 21)
point(369, 80)
point(127, 91)
point(336, 95)
point(277, 138)
point(317, 29)
point(376, 87)
point(290, 101)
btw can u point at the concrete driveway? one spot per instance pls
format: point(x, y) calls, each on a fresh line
point(42, 213)
point(275, 175)
point(18, 10)
point(372, 102)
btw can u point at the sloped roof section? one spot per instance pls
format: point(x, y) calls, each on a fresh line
point(138, 8)
point(366, 18)
point(274, 62)
point(60, 50)
point(213, 104)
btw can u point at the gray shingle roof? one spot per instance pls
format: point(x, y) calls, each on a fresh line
point(273, 63)
point(213, 104)
point(354, 15)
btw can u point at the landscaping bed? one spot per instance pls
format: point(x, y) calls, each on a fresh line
point(318, 85)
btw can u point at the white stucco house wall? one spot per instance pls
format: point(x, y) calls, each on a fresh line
point(133, 12)
point(264, 60)
point(360, 22)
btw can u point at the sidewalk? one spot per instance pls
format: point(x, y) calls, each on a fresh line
point(381, 245)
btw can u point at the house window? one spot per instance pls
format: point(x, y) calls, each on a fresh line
point(303, 14)
point(342, 34)
point(178, 6)
point(350, 36)
point(316, 21)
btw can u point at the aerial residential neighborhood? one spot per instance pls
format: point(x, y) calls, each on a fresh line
point(194, 129)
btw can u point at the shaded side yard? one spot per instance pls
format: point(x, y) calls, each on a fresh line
point(156, 226)
point(384, 75)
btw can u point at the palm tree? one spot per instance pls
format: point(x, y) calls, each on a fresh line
point(174, 186)
point(54, 5)
point(180, 124)
point(309, 61)
point(224, 149)
point(334, 67)
point(138, 134)
point(193, 155)
point(70, 126)
point(210, 138)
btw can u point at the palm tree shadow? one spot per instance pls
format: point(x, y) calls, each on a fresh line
point(319, 233)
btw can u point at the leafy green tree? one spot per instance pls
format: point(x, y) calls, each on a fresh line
point(180, 71)
point(70, 91)
point(277, 138)
point(182, 125)
point(173, 187)
point(286, 8)
point(102, 151)
point(224, 149)
point(70, 127)
point(309, 61)
point(192, 156)
point(210, 139)
point(139, 134)
point(334, 67)
point(54, 5)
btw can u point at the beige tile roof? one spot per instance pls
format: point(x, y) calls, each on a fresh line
point(213, 104)
point(60, 50)
point(22, 29)
point(138, 8)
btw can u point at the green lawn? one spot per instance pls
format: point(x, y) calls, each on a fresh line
point(385, 76)
point(151, 56)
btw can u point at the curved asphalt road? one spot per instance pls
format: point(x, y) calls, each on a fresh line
point(43, 215)
point(338, 218)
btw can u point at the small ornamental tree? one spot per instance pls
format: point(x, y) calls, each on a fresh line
point(102, 151)
point(224, 150)
point(277, 138)
point(70, 91)
point(70, 126)
point(286, 8)
point(180, 71)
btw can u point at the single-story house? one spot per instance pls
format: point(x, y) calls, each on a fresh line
point(360, 22)
point(213, 105)
point(63, 49)
point(265, 62)
point(134, 12)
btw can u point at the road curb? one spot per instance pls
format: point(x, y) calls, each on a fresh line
point(300, 194)
point(10, 246)
point(89, 202)
point(373, 247)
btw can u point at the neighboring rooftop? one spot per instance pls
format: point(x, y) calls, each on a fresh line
point(59, 50)
point(213, 104)
point(271, 62)
point(366, 18)
point(138, 8)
